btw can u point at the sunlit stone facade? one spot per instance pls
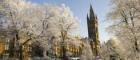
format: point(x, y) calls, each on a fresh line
point(71, 49)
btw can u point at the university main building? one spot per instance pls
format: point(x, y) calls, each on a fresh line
point(92, 23)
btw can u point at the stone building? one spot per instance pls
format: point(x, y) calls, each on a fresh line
point(72, 46)
point(92, 23)
point(10, 44)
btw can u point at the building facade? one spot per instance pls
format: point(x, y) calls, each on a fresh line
point(10, 45)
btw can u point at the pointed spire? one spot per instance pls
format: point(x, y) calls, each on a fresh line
point(91, 7)
point(87, 18)
point(91, 11)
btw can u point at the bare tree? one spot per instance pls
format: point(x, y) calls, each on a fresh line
point(17, 15)
point(38, 22)
point(126, 14)
point(61, 25)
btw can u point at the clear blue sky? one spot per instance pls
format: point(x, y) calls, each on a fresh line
point(80, 8)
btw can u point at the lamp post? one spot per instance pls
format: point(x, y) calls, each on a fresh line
point(21, 49)
point(63, 35)
point(63, 51)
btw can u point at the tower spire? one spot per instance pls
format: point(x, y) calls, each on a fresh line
point(91, 12)
point(92, 24)
point(92, 15)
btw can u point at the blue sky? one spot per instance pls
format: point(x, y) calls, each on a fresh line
point(80, 8)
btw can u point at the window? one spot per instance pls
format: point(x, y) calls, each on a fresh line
point(6, 46)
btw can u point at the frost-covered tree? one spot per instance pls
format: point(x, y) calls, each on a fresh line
point(44, 23)
point(20, 16)
point(125, 16)
point(61, 24)
point(113, 48)
point(86, 50)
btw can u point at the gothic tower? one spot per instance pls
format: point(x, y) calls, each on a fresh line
point(92, 23)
